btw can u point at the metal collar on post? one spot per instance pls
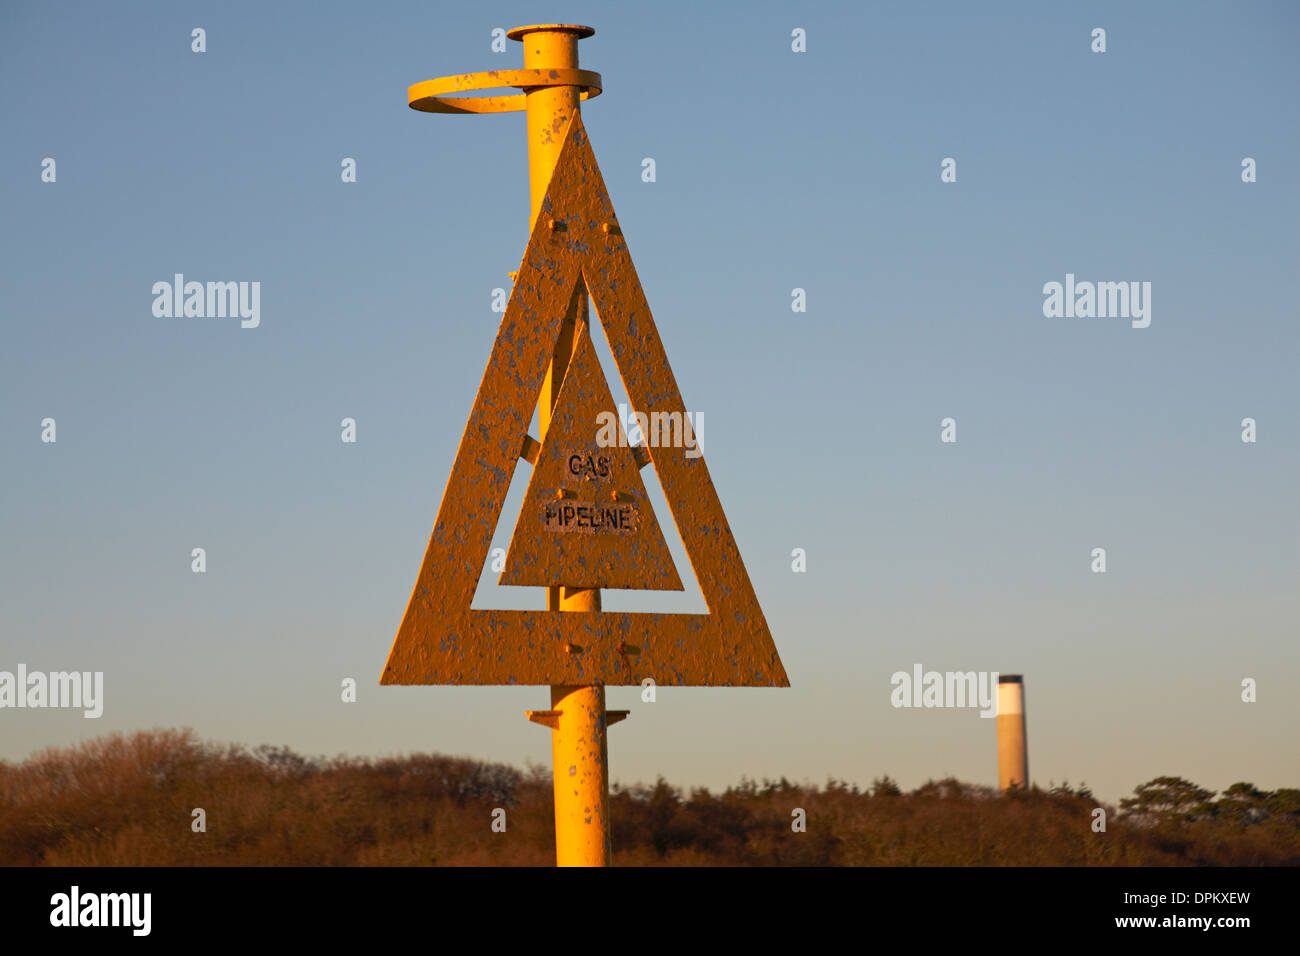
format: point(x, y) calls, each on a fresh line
point(431, 96)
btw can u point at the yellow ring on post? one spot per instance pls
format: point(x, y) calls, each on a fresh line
point(430, 96)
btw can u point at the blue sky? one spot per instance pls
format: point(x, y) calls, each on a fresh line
point(775, 170)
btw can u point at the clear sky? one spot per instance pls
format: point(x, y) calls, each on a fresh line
point(775, 170)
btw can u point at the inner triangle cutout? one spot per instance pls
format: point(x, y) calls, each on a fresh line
point(587, 521)
point(442, 640)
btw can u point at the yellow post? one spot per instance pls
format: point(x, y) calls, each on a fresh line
point(579, 750)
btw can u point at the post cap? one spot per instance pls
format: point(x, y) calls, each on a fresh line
point(518, 33)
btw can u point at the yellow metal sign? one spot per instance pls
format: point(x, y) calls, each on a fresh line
point(577, 240)
point(590, 491)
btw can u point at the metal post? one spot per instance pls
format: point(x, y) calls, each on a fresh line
point(579, 749)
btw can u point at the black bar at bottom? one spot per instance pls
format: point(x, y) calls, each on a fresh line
point(333, 906)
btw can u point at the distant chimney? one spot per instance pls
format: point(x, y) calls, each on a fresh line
point(1013, 751)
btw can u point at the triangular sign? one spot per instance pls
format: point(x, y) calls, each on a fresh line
point(587, 520)
point(441, 639)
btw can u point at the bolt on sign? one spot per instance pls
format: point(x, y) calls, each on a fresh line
point(586, 520)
